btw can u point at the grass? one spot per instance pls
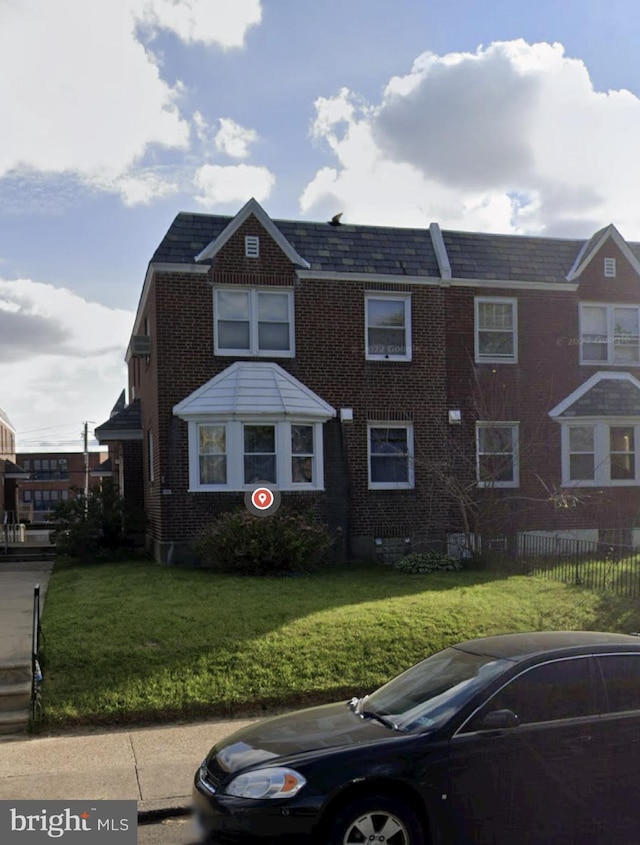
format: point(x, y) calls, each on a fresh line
point(135, 642)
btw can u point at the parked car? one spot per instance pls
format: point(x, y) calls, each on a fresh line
point(522, 739)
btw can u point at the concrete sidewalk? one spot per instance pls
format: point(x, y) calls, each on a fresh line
point(154, 766)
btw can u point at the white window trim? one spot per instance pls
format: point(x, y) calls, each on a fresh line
point(602, 457)
point(253, 351)
point(252, 246)
point(392, 485)
point(495, 359)
point(515, 443)
point(609, 268)
point(397, 297)
point(610, 362)
point(235, 454)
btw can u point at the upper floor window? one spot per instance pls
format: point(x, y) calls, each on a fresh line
point(496, 330)
point(497, 454)
point(610, 268)
point(254, 321)
point(609, 334)
point(388, 327)
point(390, 456)
point(600, 453)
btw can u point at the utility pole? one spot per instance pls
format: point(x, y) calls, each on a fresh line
point(86, 467)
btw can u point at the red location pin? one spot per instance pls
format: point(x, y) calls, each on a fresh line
point(262, 498)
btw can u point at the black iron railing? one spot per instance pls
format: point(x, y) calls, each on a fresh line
point(36, 670)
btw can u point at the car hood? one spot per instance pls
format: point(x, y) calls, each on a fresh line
point(329, 726)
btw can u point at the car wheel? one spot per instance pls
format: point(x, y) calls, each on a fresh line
point(377, 819)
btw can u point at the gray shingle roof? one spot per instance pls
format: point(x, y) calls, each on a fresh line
point(609, 397)
point(129, 419)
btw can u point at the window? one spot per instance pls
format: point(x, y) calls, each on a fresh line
point(252, 246)
point(26, 464)
point(497, 454)
point(26, 495)
point(609, 334)
point(254, 322)
point(496, 335)
point(600, 454)
point(234, 455)
point(621, 675)
point(390, 456)
point(553, 691)
point(610, 268)
point(388, 327)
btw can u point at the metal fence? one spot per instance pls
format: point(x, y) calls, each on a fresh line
point(599, 566)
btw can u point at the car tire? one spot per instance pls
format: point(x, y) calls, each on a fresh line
point(378, 820)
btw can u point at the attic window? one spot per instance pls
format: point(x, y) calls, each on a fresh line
point(252, 246)
point(610, 268)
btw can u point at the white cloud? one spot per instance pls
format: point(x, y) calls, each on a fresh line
point(90, 100)
point(512, 137)
point(234, 139)
point(61, 357)
point(235, 183)
point(206, 21)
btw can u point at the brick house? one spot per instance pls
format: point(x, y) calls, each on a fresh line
point(52, 478)
point(408, 384)
point(10, 471)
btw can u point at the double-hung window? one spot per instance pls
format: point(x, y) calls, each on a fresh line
point(390, 456)
point(600, 453)
point(609, 334)
point(497, 454)
point(254, 321)
point(496, 330)
point(388, 327)
point(235, 455)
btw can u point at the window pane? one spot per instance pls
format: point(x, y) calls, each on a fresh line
point(212, 440)
point(273, 336)
point(387, 342)
point(259, 468)
point(302, 439)
point(625, 322)
point(232, 335)
point(496, 468)
point(496, 438)
point(388, 441)
point(625, 353)
point(213, 469)
point(581, 467)
point(581, 438)
point(259, 438)
point(622, 679)
point(595, 350)
point(495, 315)
point(496, 343)
point(233, 305)
point(274, 307)
point(594, 320)
point(301, 469)
point(385, 313)
point(558, 690)
point(387, 469)
point(621, 438)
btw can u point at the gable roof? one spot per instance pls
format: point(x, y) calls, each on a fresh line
point(254, 389)
point(5, 419)
point(250, 208)
point(125, 425)
point(605, 394)
point(593, 246)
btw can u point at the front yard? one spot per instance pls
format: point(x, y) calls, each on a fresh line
point(136, 642)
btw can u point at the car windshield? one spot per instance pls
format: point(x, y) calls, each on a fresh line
point(428, 694)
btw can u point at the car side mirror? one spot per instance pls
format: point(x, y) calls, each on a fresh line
point(499, 719)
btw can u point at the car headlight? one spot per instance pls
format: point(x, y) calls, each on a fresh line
point(266, 783)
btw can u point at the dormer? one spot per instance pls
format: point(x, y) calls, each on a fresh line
point(607, 266)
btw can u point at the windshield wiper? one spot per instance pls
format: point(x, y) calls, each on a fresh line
point(371, 714)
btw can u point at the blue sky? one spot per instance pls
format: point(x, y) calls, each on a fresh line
point(496, 115)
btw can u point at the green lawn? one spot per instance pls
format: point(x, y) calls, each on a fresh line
point(136, 642)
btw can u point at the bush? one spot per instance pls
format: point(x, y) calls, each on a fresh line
point(240, 543)
point(422, 563)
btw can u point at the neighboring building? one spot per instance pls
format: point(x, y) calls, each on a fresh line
point(52, 478)
point(10, 472)
point(408, 384)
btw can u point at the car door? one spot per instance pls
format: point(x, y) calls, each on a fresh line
point(535, 783)
point(618, 748)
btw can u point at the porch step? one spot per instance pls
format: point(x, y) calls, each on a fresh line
point(15, 696)
point(13, 722)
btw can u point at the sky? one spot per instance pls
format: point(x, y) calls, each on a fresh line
point(483, 115)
